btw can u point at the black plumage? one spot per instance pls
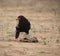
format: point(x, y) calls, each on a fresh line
point(22, 26)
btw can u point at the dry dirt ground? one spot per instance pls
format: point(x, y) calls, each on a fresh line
point(44, 16)
point(12, 48)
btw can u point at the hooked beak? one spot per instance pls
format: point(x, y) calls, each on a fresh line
point(18, 19)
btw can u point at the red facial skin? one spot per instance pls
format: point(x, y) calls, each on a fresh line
point(18, 19)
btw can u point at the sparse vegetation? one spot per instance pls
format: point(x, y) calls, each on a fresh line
point(44, 16)
point(42, 52)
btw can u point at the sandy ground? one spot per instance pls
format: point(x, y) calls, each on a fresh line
point(12, 48)
point(44, 16)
